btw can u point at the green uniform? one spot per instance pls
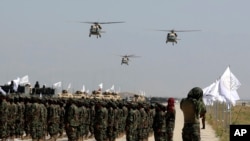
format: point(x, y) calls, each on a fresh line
point(4, 114)
point(159, 125)
point(72, 122)
point(101, 122)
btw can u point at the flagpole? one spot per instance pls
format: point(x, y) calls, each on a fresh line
point(230, 95)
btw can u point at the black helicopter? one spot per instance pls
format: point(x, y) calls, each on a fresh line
point(96, 29)
point(172, 35)
point(125, 58)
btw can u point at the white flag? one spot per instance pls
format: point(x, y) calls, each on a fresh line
point(100, 86)
point(16, 83)
point(69, 86)
point(24, 80)
point(57, 84)
point(112, 89)
point(83, 88)
point(228, 85)
point(2, 91)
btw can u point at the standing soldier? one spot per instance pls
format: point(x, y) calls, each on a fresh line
point(83, 115)
point(92, 118)
point(101, 121)
point(4, 114)
point(20, 117)
point(111, 121)
point(170, 119)
point(27, 118)
point(160, 123)
point(72, 120)
point(53, 120)
point(12, 118)
point(61, 115)
point(191, 108)
point(37, 120)
point(131, 125)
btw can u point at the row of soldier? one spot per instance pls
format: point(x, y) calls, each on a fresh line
point(105, 120)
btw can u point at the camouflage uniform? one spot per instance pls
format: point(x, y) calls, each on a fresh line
point(53, 120)
point(20, 118)
point(4, 114)
point(12, 118)
point(83, 115)
point(131, 123)
point(101, 122)
point(191, 107)
point(72, 121)
point(27, 118)
point(159, 125)
point(92, 119)
point(38, 120)
point(61, 115)
point(111, 121)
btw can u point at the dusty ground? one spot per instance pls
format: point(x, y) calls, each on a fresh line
point(207, 134)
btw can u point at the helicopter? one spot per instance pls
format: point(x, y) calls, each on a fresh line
point(96, 29)
point(172, 35)
point(125, 58)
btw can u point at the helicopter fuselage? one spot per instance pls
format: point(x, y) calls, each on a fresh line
point(125, 60)
point(172, 37)
point(95, 30)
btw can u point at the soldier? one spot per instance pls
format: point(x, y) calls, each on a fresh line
point(92, 118)
point(101, 121)
point(87, 119)
point(27, 117)
point(191, 108)
point(111, 121)
point(20, 117)
point(4, 114)
point(170, 119)
point(159, 125)
point(61, 115)
point(71, 120)
point(53, 120)
point(83, 115)
point(151, 114)
point(131, 125)
point(37, 120)
point(12, 117)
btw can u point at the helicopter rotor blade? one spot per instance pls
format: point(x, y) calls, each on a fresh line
point(133, 56)
point(102, 22)
point(111, 22)
point(179, 30)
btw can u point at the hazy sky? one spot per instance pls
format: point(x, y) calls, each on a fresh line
point(44, 40)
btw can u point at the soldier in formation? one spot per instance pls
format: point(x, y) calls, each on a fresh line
point(49, 118)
